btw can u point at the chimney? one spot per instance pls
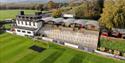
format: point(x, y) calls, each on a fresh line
point(21, 12)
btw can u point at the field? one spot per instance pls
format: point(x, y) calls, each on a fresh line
point(115, 44)
point(15, 49)
point(7, 14)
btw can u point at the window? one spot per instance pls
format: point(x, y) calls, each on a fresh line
point(31, 18)
point(29, 32)
point(22, 22)
point(18, 22)
point(25, 22)
point(33, 23)
point(30, 23)
point(18, 30)
point(34, 17)
point(23, 31)
point(27, 17)
point(18, 16)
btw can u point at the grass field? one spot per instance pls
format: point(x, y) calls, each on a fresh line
point(7, 14)
point(15, 49)
point(115, 44)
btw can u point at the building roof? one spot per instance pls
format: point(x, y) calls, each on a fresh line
point(80, 21)
point(69, 20)
point(46, 19)
point(29, 17)
point(72, 20)
point(30, 20)
point(68, 15)
point(26, 28)
point(58, 20)
point(93, 22)
point(119, 30)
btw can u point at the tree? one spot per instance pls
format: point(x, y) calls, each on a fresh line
point(113, 14)
point(79, 12)
point(88, 9)
point(39, 6)
point(57, 13)
point(51, 5)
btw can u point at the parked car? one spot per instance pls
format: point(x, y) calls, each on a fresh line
point(116, 34)
point(9, 20)
point(123, 35)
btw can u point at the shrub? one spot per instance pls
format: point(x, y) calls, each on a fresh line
point(124, 54)
point(102, 48)
point(57, 13)
point(116, 52)
point(110, 51)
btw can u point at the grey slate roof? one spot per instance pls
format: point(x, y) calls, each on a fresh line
point(29, 17)
point(119, 30)
point(69, 21)
point(80, 21)
point(72, 20)
point(58, 20)
point(46, 19)
point(93, 22)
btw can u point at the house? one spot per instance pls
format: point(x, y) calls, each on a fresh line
point(27, 24)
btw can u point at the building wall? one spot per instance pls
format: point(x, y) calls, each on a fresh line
point(27, 24)
point(24, 34)
point(39, 24)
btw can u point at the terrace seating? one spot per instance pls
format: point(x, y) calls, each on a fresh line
point(67, 34)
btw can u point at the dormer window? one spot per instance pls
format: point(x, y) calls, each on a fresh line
point(38, 17)
point(23, 17)
point(26, 17)
point(31, 18)
point(18, 16)
point(34, 17)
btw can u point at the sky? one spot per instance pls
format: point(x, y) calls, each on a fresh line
point(30, 0)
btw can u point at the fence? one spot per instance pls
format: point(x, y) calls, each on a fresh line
point(110, 55)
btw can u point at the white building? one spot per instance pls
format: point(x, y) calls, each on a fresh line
point(28, 25)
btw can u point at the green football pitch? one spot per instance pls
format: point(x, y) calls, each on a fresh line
point(15, 49)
